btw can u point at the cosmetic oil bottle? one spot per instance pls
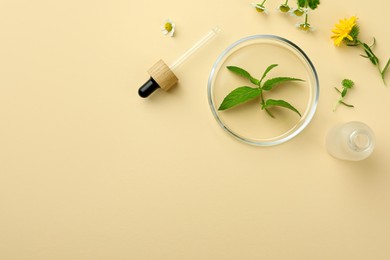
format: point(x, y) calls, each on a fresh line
point(352, 141)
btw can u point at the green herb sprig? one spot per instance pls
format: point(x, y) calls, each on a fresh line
point(302, 8)
point(245, 93)
point(347, 31)
point(369, 52)
point(347, 84)
point(305, 5)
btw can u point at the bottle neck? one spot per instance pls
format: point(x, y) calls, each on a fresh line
point(360, 141)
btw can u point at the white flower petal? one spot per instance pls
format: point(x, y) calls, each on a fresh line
point(307, 28)
point(172, 25)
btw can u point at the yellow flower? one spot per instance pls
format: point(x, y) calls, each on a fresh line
point(343, 29)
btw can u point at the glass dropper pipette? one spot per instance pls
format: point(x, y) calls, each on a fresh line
point(162, 76)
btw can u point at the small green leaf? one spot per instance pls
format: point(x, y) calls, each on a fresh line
point(354, 33)
point(301, 3)
point(269, 112)
point(344, 92)
point(385, 69)
point(347, 83)
point(337, 90)
point(345, 104)
point(370, 54)
point(243, 73)
point(269, 84)
point(270, 67)
point(238, 96)
point(351, 43)
point(281, 103)
point(313, 4)
point(373, 43)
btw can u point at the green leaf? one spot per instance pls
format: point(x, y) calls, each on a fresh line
point(238, 96)
point(301, 3)
point(269, 112)
point(313, 4)
point(281, 103)
point(337, 90)
point(354, 33)
point(344, 92)
point(270, 67)
point(370, 54)
point(345, 104)
point(269, 84)
point(373, 43)
point(347, 83)
point(385, 68)
point(243, 73)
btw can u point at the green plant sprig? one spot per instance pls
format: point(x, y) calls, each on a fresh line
point(305, 5)
point(368, 51)
point(245, 93)
point(346, 84)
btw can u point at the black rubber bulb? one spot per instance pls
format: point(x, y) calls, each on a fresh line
point(148, 88)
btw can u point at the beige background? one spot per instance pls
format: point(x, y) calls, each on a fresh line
point(88, 170)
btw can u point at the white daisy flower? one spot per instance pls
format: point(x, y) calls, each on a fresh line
point(260, 8)
point(306, 27)
point(284, 8)
point(168, 28)
point(298, 11)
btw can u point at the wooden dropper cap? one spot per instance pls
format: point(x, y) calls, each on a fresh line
point(161, 76)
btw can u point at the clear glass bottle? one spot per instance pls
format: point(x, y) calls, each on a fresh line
point(352, 141)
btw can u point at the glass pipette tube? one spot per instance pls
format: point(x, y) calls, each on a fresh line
point(194, 48)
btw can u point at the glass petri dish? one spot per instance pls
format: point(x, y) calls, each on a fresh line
point(248, 122)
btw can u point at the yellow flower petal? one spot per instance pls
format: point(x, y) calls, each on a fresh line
point(338, 41)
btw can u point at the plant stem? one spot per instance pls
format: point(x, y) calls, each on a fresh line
point(269, 113)
point(340, 101)
point(261, 96)
point(306, 13)
point(263, 103)
point(373, 58)
point(336, 105)
point(345, 104)
point(263, 3)
point(384, 70)
point(286, 2)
